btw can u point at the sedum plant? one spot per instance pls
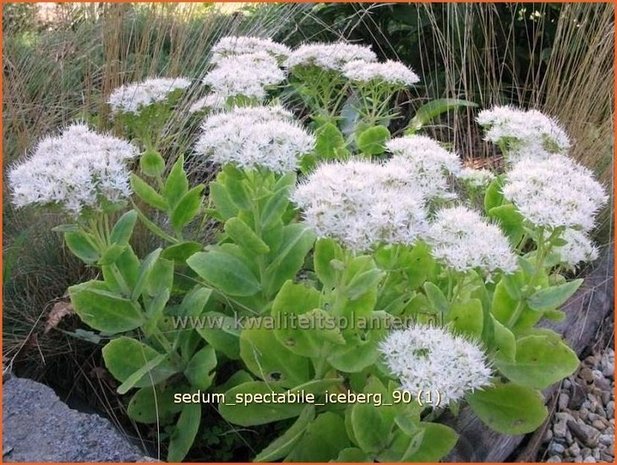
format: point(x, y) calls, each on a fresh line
point(352, 291)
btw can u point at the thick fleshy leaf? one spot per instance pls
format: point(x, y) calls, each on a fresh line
point(184, 433)
point(125, 356)
point(225, 271)
point(540, 361)
point(323, 440)
point(429, 111)
point(104, 310)
point(123, 229)
point(241, 408)
point(553, 297)
point(372, 141)
point(199, 370)
point(82, 248)
point(187, 208)
point(264, 355)
point(282, 445)
point(144, 407)
point(509, 408)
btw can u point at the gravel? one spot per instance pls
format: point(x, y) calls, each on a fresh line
point(38, 427)
point(583, 428)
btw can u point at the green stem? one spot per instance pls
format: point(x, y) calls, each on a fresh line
point(541, 253)
point(153, 227)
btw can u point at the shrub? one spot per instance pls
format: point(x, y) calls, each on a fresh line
point(359, 302)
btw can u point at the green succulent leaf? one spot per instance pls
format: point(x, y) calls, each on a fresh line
point(125, 357)
point(282, 445)
point(265, 357)
point(225, 271)
point(553, 297)
point(540, 361)
point(81, 246)
point(177, 184)
point(429, 111)
point(151, 404)
point(152, 163)
point(372, 141)
point(104, 310)
point(509, 408)
point(199, 370)
point(239, 410)
point(188, 208)
point(184, 433)
point(245, 237)
point(145, 192)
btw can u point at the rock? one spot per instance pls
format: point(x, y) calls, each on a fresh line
point(606, 396)
point(610, 409)
point(548, 435)
point(575, 450)
point(607, 439)
point(606, 457)
point(584, 433)
point(556, 448)
point(587, 374)
point(564, 400)
point(554, 459)
point(561, 424)
point(590, 459)
point(597, 424)
point(38, 427)
point(583, 413)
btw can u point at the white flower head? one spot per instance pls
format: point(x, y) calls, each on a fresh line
point(131, 98)
point(579, 248)
point(248, 75)
point(77, 169)
point(390, 72)
point(430, 359)
point(232, 45)
point(554, 192)
point(332, 57)
point(476, 177)
point(463, 240)
point(255, 137)
point(421, 161)
point(350, 202)
point(523, 131)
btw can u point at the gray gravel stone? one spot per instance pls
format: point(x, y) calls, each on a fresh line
point(38, 427)
point(556, 448)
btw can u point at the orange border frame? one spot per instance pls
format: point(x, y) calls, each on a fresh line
point(2, 2)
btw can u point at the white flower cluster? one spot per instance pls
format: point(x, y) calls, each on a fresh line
point(579, 248)
point(75, 170)
point(332, 57)
point(554, 192)
point(464, 241)
point(253, 137)
point(247, 75)
point(524, 132)
point(430, 359)
point(476, 177)
point(390, 72)
point(357, 203)
point(232, 45)
point(131, 98)
point(422, 162)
